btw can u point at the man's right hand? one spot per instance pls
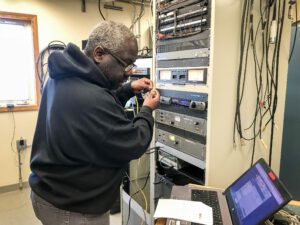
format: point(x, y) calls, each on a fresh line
point(152, 99)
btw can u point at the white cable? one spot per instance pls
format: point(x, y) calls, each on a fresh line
point(284, 215)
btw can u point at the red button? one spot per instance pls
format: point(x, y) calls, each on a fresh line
point(272, 175)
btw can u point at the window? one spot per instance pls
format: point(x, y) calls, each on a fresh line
point(19, 84)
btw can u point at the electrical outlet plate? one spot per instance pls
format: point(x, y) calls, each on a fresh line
point(21, 144)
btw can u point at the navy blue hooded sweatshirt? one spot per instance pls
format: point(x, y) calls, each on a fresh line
point(83, 140)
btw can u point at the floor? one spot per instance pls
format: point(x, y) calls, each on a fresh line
point(16, 209)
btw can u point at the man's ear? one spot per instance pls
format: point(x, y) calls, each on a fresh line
point(98, 54)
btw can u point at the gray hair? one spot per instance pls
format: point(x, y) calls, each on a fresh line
point(111, 35)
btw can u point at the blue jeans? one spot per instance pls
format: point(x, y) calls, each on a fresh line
point(50, 215)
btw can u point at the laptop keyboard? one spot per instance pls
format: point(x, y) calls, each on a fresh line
point(209, 198)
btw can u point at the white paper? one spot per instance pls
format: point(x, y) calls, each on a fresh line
point(192, 211)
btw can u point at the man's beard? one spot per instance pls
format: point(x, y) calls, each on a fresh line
point(114, 80)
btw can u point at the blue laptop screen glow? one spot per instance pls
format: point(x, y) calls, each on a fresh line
point(254, 196)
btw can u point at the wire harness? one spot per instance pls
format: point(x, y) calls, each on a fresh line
point(262, 26)
point(41, 62)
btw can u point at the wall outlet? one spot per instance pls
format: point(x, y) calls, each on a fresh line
point(21, 144)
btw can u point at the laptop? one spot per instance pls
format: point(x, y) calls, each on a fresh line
point(253, 198)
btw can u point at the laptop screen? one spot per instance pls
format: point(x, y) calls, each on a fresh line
point(256, 195)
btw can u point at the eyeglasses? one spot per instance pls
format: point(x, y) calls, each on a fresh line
point(120, 61)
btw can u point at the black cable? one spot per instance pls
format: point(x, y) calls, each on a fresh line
point(181, 35)
point(148, 151)
point(271, 3)
point(274, 12)
point(155, 149)
point(142, 10)
point(40, 64)
point(258, 86)
point(275, 48)
point(247, 7)
point(261, 97)
point(14, 130)
point(274, 67)
point(141, 52)
point(131, 196)
point(277, 76)
point(265, 70)
point(295, 35)
point(237, 119)
point(268, 92)
point(258, 82)
point(256, 64)
point(266, 46)
point(242, 93)
point(241, 72)
point(242, 44)
point(99, 8)
point(260, 92)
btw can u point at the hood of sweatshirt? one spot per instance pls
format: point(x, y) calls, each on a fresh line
point(72, 62)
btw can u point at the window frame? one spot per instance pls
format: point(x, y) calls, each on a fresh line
point(32, 19)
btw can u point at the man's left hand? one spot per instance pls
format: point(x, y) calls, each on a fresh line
point(141, 84)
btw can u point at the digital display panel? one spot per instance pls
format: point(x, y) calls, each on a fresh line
point(254, 196)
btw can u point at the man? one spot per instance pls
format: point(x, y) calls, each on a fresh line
point(83, 140)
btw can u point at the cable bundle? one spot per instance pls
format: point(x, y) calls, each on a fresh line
point(260, 41)
point(41, 64)
point(136, 19)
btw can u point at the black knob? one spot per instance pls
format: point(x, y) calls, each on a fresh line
point(193, 105)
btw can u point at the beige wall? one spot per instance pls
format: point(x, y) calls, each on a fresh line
point(226, 162)
point(57, 20)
